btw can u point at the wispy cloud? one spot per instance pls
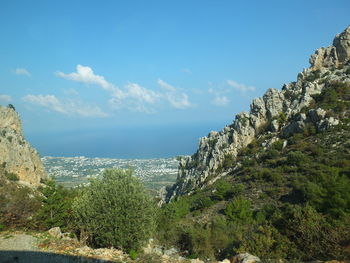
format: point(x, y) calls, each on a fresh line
point(5, 98)
point(219, 99)
point(240, 87)
point(22, 72)
point(67, 107)
point(86, 75)
point(135, 98)
point(176, 98)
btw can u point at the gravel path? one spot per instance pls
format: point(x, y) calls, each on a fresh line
point(17, 242)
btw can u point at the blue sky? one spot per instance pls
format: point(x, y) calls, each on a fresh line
point(148, 78)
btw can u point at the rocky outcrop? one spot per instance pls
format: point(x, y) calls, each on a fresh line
point(277, 113)
point(17, 156)
point(335, 55)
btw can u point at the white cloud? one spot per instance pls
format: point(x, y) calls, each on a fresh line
point(241, 87)
point(132, 96)
point(187, 71)
point(176, 98)
point(220, 101)
point(69, 107)
point(22, 71)
point(135, 98)
point(5, 98)
point(86, 75)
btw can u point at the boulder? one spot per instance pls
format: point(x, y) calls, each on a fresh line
point(274, 126)
point(171, 252)
point(245, 258)
point(55, 232)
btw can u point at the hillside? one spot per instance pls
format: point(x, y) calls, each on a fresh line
point(278, 113)
point(18, 159)
point(275, 182)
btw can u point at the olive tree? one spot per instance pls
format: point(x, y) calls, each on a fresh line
point(115, 210)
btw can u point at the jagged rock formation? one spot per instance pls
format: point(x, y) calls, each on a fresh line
point(17, 156)
point(335, 55)
point(278, 113)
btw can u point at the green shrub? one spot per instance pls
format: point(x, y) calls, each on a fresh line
point(17, 206)
point(278, 145)
point(133, 254)
point(314, 237)
point(266, 242)
point(202, 203)
point(239, 210)
point(296, 158)
point(316, 74)
point(177, 209)
point(228, 161)
point(115, 211)
point(12, 176)
point(223, 190)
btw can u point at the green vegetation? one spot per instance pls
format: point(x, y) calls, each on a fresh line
point(56, 207)
point(316, 74)
point(17, 203)
point(289, 202)
point(12, 176)
point(115, 211)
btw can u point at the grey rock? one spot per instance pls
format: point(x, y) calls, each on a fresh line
point(273, 102)
point(171, 252)
point(316, 115)
point(332, 56)
point(274, 126)
point(17, 156)
point(327, 123)
point(324, 57)
point(55, 232)
point(245, 258)
point(342, 44)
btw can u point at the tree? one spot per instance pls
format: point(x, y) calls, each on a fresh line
point(56, 206)
point(115, 210)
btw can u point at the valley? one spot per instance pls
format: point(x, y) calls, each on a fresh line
point(74, 171)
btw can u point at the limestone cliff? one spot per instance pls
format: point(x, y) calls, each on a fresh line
point(278, 113)
point(16, 155)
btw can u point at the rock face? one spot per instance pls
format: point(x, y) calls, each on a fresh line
point(16, 155)
point(277, 113)
point(335, 55)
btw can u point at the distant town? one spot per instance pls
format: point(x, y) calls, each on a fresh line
point(75, 171)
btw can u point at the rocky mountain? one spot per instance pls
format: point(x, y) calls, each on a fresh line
point(278, 114)
point(18, 159)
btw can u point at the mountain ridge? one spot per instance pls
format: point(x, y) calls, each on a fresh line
point(267, 114)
